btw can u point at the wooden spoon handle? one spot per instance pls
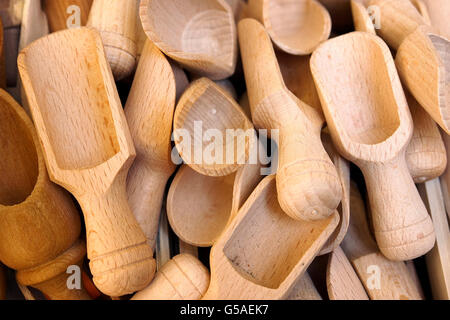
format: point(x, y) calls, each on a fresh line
point(306, 175)
point(145, 187)
point(116, 20)
point(63, 14)
point(402, 226)
point(399, 18)
point(117, 246)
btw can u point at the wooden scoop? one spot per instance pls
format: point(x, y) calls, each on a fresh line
point(307, 181)
point(149, 110)
point(422, 60)
point(342, 281)
point(88, 150)
point(182, 278)
point(439, 11)
point(116, 20)
point(202, 119)
point(39, 225)
point(426, 156)
point(199, 34)
point(361, 18)
point(369, 121)
point(304, 289)
point(199, 207)
point(295, 26)
point(66, 14)
point(383, 279)
point(438, 259)
point(263, 252)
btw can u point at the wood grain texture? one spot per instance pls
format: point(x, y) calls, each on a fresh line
point(182, 278)
point(149, 111)
point(423, 59)
point(383, 279)
point(439, 11)
point(64, 14)
point(198, 219)
point(342, 281)
point(304, 289)
point(263, 252)
point(438, 259)
point(295, 26)
point(343, 170)
point(116, 20)
point(361, 18)
point(426, 156)
point(200, 35)
point(297, 76)
point(34, 26)
point(40, 226)
point(210, 151)
point(88, 150)
point(372, 129)
point(307, 181)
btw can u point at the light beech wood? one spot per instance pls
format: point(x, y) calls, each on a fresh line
point(383, 279)
point(343, 170)
point(426, 156)
point(211, 107)
point(307, 181)
point(342, 281)
point(361, 18)
point(304, 289)
point(199, 207)
point(64, 14)
point(182, 278)
point(199, 34)
point(39, 225)
point(237, 7)
point(187, 248)
point(438, 259)
point(298, 78)
point(34, 26)
point(241, 267)
point(423, 10)
point(88, 150)
point(117, 22)
point(372, 126)
point(439, 11)
point(295, 26)
point(423, 59)
point(149, 111)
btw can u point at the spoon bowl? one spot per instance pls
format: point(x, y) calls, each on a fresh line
point(204, 117)
point(199, 34)
point(295, 26)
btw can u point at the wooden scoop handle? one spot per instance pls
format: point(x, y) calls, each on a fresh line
point(145, 187)
point(401, 223)
point(63, 14)
point(117, 249)
point(307, 182)
point(116, 20)
point(398, 19)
